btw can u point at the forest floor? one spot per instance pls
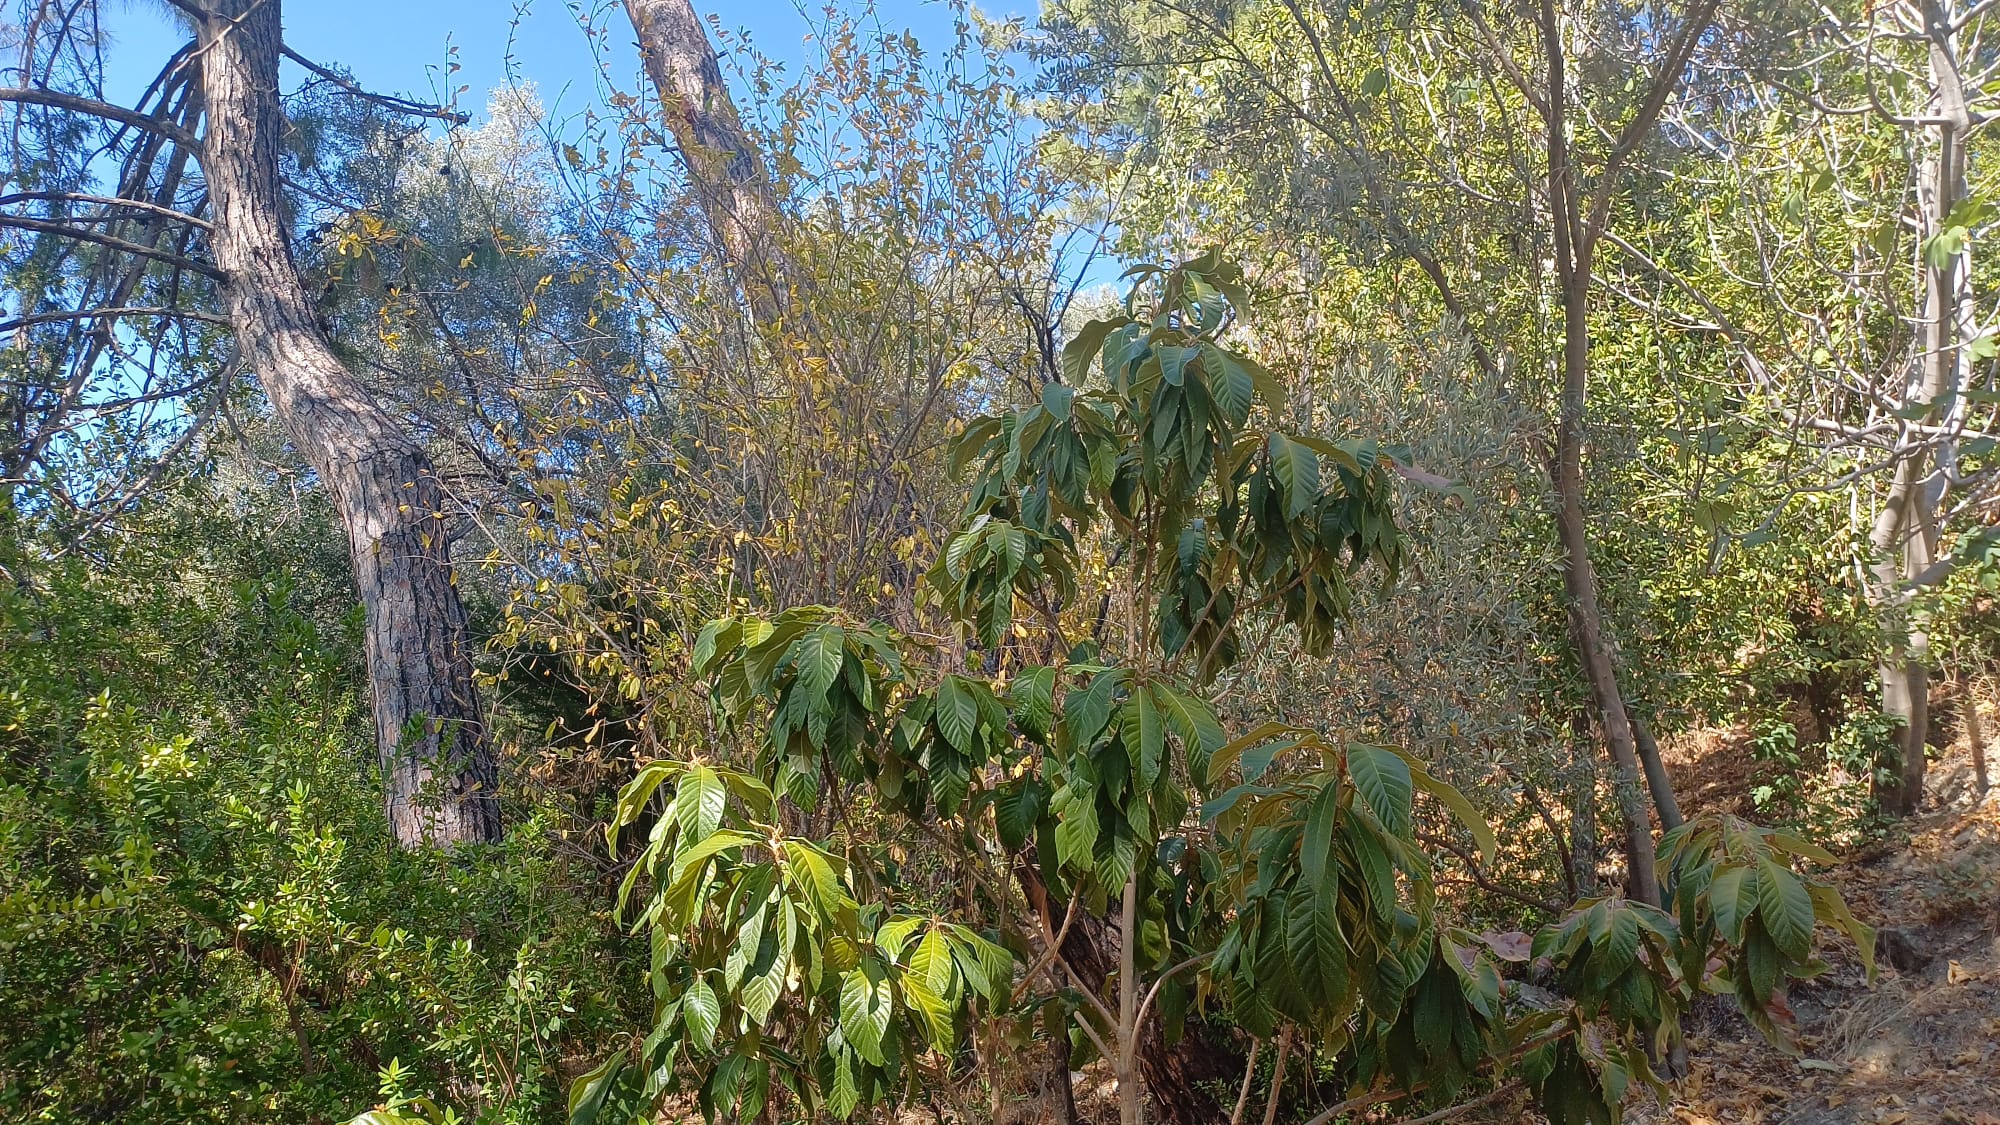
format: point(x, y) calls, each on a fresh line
point(1921, 1045)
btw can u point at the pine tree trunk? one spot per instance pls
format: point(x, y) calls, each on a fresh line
point(727, 171)
point(437, 762)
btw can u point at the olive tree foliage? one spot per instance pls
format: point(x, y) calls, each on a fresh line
point(1763, 281)
point(1833, 267)
point(1466, 159)
point(1457, 661)
point(1275, 879)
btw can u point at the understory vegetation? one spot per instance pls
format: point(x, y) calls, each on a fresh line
point(1240, 560)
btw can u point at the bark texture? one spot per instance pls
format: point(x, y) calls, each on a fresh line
point(1904, 538)
point(436, 758)
point(726, 169)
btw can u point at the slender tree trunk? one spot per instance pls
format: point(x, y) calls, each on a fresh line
point(1583, 815)
point(1904, 537)
point(1131, 1092)
point(1975, 735)
point(436, 759)
point(1657, 782)
point(1573, 270)
point(1278, 1078)
point(1059, 1094)
point(1171, 1074)
point(1249, 1076)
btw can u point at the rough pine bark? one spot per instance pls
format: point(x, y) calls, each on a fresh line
point(436, 758)
point(731, 183)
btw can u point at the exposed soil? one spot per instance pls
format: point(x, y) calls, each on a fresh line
point(1919, 1046)
point(1923, 1043)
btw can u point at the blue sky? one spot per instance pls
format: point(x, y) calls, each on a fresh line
point(402, 46)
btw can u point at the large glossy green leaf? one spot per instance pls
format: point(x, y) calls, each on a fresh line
point(1142, 713)
point(1378, 870)
point(1076, 830)
point(632, 799)
point(717, 638)
point(1195, 722)
point(987, 966)
point(687, 858)
point(817, 874)
point(1732, 898)
point(1786, 909)
point(932, 963)
point(1619, 946)
point(1316, 844)
point(844, 1095)
point(937, 1013)
point(956, 712)
point(866, 1006)
point(760, 993)
point(699, 802)
point(1804, 849)
point(1832, 908)
point(1313, 939)
point(1762, 972)
point(1263, 734)
point(1084, 346)
point(702, 1012)
point(1383, 780)
point(819, 655)
point(972, 442)
point(1016, 808)
point(894, 935)
point(1032, 694)
point(1296, 468)
point(1230, 383)
point(1086, 712)
point(1173, 359)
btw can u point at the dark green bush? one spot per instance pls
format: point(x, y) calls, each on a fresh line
point(202, 916)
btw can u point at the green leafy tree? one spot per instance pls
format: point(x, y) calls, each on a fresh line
point(1297, 898)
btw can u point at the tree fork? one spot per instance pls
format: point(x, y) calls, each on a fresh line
point(1172, 1074)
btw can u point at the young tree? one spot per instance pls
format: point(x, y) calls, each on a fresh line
point(1295, 901)
point(1839, 276)
point(1578, 214)
point(1486, 148)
